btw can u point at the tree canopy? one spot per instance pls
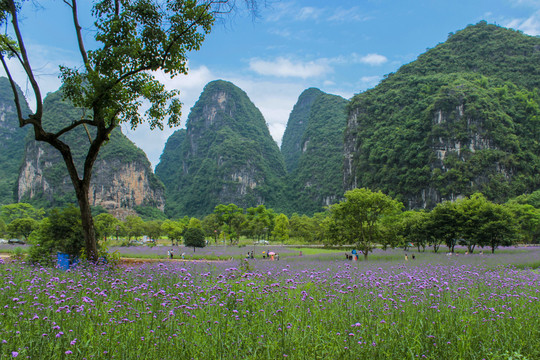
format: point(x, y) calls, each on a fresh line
point(357, 220)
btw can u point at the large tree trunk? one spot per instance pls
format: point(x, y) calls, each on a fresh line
point(82, 187)
point(87, 223)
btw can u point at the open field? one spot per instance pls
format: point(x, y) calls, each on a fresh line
point(314, 306)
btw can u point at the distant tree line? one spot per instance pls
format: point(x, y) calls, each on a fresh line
point(364, 220)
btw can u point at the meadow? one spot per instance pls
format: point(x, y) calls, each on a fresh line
point(315, 306)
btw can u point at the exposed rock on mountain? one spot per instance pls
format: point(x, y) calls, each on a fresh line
point(462, 118)
point(122, 177)
point(226, 156)
point(11, 142)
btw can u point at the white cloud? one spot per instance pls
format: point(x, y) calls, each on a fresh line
point(283, 67)
point(373, 59)
point(291, 11)
point(351, 14)
point(530, 26)
point(308, 13)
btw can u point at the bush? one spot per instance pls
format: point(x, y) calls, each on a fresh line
point(60, 232)
point(194, 237)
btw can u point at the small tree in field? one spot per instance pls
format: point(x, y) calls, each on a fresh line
point(194, 237)
point(134, 39)
point(357, 219)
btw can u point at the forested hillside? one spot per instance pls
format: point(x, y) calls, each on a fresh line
point(11, 142)
point(317, 179)
point(464, 117)
point(291, 143)
point(226, 156)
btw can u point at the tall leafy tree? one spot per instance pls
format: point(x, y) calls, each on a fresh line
point(499, 226)
point(105, 225)
point(471, 220)
point(133, 39)
point(22, 227)
point(281, 228)
point(211, 226)
point(134, 226)
point(357, 219)
point(444, 220)
point(173, 230)
point(194, 237)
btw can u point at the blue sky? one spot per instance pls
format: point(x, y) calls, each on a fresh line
point(342, 47)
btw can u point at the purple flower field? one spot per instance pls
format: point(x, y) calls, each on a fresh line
point(308, 307)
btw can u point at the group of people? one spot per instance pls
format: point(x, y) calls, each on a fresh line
point(170, 254)
point(352, 256)
point(407, 257)
point(270, 255)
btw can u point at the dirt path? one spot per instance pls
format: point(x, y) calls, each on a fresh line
point(136, 261)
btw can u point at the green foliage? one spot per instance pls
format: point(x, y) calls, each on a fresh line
point(60, 232)
point(291, 144)
point(281, 228)
point(483, 223)
point(105, 225)
point(445, 222)
point(317, 180)
point(11, 212)
point(228, 158)
point(153, 229)
point(528, 221)
point(11, 142)
point(212, 226)
point(150, 213)
point(195, 223)
point(2, 227)
point(173, 230)
point(134, 227)
point(463, 118)
point(258, 222)
point(357, 219)
point(22, 227)
point(194, 237)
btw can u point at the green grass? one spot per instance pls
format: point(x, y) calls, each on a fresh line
point(270, 310)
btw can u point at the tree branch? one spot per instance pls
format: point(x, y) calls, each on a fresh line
point(72, 126)
point(26, 63)
point(22, 122)
point(80, 41)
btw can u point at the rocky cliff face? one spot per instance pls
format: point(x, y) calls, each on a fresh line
point(11, 142)
point(226, 155)
point(122, 178)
